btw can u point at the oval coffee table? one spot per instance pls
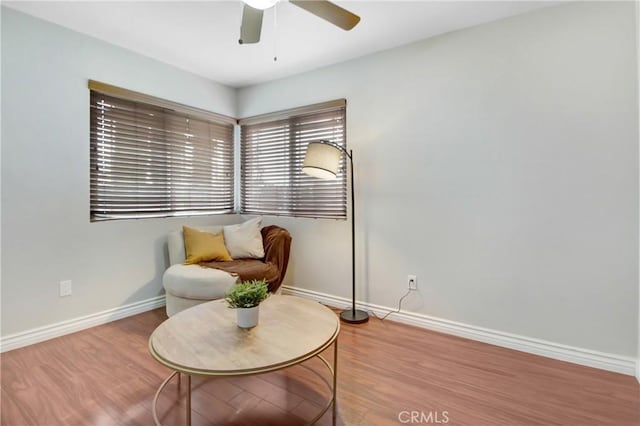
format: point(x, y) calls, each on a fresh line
point(205, 341)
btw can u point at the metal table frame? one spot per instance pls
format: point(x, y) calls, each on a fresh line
point(189, 372)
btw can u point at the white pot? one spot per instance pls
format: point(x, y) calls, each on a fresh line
point(248, 317)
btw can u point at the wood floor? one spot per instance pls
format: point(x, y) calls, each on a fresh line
point(388, 372)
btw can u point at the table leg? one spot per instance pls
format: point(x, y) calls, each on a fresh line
point(154, 404)
point(335, 378)
point(188, 400)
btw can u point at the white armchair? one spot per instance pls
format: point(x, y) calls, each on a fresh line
point(190, 285)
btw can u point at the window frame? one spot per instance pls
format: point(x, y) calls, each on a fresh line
point(334, 192)
point(207, 145)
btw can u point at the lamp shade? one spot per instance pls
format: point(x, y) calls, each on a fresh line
point(322, 160)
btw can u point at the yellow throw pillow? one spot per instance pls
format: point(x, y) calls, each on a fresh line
point(203, 246)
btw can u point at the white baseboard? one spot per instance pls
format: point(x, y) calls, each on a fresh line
point(590, 358)
point(35, 335)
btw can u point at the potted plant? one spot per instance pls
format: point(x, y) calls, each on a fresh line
point(246, 297)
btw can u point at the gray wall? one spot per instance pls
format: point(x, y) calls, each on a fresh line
point(46, 234)
point(500, 165)
point(637, 3)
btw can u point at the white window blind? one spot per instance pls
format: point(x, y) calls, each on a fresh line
point(152, 161)
point(272, 151)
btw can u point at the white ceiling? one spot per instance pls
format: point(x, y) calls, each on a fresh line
point(202, 36)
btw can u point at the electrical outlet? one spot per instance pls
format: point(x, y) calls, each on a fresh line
point(65, 288)
point(412, 281)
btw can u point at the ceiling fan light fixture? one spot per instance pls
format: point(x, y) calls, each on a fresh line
point(261, 4)
point(253, 12)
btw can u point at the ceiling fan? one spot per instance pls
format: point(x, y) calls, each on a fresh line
point(254, 9)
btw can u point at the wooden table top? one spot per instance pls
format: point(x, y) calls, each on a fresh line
point(205, 339)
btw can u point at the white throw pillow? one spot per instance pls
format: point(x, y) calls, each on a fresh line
point(244, 240)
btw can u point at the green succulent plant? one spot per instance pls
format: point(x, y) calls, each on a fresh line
point(247, 294)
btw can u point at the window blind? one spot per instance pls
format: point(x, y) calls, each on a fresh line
point(272, 152)
point(152, 161)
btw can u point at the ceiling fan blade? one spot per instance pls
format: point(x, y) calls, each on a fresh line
point(251, 25)
point(329, 12)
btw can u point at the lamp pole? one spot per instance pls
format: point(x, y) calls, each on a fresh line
point(324, 164)
point(353, 315)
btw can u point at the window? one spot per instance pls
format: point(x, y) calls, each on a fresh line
point(153, 158)
point(272, 151)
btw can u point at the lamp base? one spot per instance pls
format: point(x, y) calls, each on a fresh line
point(354, 317)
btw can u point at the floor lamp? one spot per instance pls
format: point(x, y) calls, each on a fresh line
point(323, 161)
